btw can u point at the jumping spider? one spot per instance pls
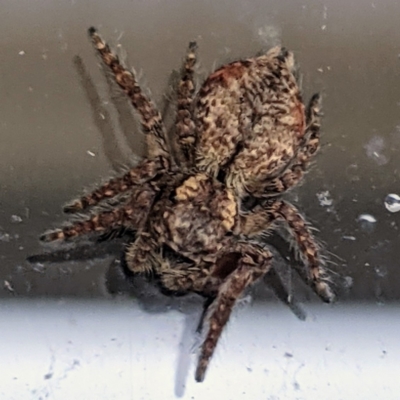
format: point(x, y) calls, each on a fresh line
point(201, 206)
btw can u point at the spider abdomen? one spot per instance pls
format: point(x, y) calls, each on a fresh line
point(251, 120)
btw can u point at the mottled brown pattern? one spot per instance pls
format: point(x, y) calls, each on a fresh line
point(244, 135)
point(150, 117)
point(185, 127)
point(143, 173)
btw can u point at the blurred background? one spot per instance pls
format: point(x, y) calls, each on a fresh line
point(70, 317)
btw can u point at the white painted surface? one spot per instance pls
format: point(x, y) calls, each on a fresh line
point(113, 350)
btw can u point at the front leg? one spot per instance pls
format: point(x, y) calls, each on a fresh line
point(131, 215)
point(150, 117)
point(262, 217)
point(274, 282)
point(131, 180)
point(253, 263)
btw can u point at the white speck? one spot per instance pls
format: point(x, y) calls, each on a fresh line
point(367, 222)
point(8, 286)
point(4, 237)
point(348, 282)
point(22, 53)
point(367, 218)
point(381, 271)
point(352, 238)
point(91, 153)
point(325, 199)
point(392, 202)
point(325, 13)
point(323, 27)
point(374, 149)
point(16, 219)
point(320, 70)
point(38, 267)
point(102, 116)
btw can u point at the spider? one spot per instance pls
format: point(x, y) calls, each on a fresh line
point(201, 203)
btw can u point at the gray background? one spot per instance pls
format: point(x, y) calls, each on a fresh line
point(347, 50)
point(52, 148)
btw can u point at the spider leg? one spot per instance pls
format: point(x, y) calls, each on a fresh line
point(274, 281)
point(294, 173)
point(129, 215)
point(139, 175)
point(185, 126)
point(184, 122)
point(150, 117)
point(253, 263)
point(308, 249)
point(139, 253)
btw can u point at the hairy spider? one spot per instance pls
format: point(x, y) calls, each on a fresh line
point(201, 212)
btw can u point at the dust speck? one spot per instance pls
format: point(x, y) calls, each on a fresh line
point(367, 218)
point(16, 219)
point(324, 198)
point(49, 375)
point(375, 148)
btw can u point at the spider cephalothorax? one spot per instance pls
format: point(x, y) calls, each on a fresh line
point(244, 135)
